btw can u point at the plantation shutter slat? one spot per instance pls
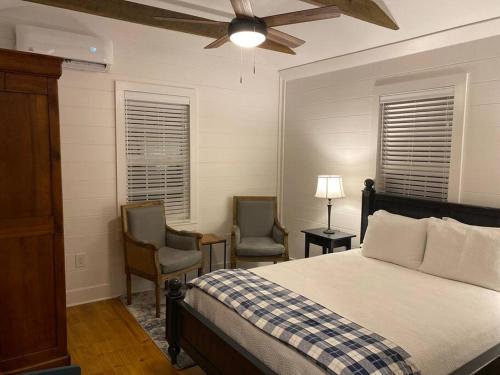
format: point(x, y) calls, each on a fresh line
point(158, 153)
point(415, 144)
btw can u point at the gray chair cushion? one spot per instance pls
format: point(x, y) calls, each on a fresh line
point(147, 224)
point(172, 260)
point(259, 246)
point(278, 235)
point(181, 242)
point(255, 218)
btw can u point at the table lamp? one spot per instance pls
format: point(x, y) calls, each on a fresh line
point(330, 187)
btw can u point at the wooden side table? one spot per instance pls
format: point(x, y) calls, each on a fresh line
point(211, 239)
point(327, 241)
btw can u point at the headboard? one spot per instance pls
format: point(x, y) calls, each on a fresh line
point(420, 208)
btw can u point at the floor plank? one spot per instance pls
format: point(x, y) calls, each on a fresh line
point(103, 338)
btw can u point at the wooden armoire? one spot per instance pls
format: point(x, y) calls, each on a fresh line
point(32, 290)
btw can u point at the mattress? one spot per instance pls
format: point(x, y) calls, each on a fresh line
point(441, 323)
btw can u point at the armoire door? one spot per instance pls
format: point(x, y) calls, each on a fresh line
point(32, 303)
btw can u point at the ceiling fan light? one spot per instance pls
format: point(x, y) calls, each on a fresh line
point(247, 39)
point(247, 32)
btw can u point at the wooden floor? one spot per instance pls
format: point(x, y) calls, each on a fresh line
point(103, 338)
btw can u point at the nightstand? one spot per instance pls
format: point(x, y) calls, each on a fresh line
point(210, 240)
point(327, 241)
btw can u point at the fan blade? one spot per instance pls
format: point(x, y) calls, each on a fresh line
point(138, 13)
point(365, 10)
point(308, 15)
point(219, 42)
point(191, 20)
point(242, 8)
point(284, 38)
point(277, 47)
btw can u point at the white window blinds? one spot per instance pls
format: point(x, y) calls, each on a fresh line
point(415, 143)
point(157, 151)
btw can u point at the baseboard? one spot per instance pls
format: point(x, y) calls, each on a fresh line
point(93, 300)
point(94, 293)
point(102, 292)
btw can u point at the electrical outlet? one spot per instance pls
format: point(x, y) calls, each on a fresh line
point(81, 260)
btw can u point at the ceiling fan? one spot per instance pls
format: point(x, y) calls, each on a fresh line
point(245, 30)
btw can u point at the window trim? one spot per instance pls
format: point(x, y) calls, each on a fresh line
point(430, 81)
point(121, 163)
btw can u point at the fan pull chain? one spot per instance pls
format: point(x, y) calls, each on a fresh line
point(254, 69)
point(241, 65)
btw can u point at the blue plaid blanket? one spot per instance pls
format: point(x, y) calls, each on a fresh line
point(334, 343)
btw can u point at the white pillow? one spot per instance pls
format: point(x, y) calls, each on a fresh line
point(444, 246)
point(456, 222)
point(396, 239)
point(385, 213)
point(463, 253)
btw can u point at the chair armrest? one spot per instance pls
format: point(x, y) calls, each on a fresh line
point(279, 226)
point(236, 234)
point(134, 242)
point(141, 256)
point(279, 233)
point(183, 240)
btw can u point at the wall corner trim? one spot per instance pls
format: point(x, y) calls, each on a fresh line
point(445, 38)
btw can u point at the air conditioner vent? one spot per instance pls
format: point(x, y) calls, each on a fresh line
point(85, 65)
point(82, 52)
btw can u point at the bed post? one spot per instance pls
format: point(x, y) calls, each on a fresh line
point(367, 207)
point(174, 295)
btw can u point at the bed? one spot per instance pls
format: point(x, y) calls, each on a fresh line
point(448, 327)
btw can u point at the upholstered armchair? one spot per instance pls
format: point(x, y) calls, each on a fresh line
point(153, 250)
point(257, 235)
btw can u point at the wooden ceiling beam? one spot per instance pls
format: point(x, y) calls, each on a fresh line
point(138, 13)
point(365, 10)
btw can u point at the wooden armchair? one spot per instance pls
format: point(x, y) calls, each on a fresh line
point(153, 250)
point(257, 235)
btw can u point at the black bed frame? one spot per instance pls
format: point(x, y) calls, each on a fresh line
point(217, 353)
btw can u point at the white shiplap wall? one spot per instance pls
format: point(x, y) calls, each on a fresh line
point(237, 135)
point(329, 129)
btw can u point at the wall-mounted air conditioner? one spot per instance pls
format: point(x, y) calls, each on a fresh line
point(82, 52)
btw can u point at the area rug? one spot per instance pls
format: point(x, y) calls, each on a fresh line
point(143, 309)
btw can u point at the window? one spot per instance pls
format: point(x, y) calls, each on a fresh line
point(416, 141)
point(156, 154)
point(420, 138)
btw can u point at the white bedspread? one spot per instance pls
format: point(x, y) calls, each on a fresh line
point(443, 324)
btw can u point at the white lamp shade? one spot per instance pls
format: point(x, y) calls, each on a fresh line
point(330, 187)
point(247, 39)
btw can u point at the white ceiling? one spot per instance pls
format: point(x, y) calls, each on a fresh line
point(330, 38)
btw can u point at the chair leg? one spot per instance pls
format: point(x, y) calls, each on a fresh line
point(275, 262)
point(129, 289)
point(233, 263)
point(158, 299)
point(200, 271)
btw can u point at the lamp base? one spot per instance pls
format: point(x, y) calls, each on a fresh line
point(329, 231)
